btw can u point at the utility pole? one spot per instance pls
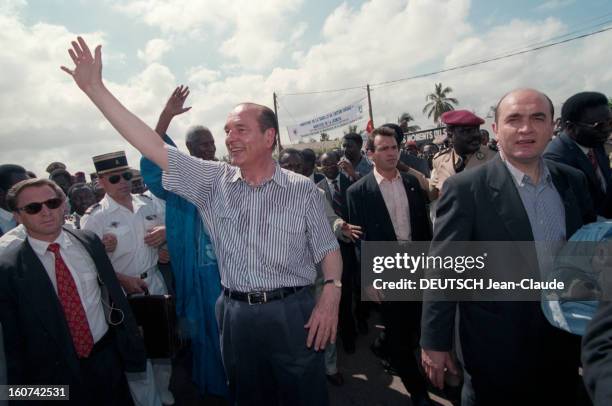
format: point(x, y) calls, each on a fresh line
point(278, 141)
point(370, 104)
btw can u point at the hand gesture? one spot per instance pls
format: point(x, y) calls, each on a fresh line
point(87, 72)
point(110, 242)
point(155, 236)
point(351, 231)
point(164, 256)
point(436, 363)
point(174, 105)
point(347, 167)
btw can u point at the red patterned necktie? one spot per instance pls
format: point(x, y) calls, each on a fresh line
point(71, 303)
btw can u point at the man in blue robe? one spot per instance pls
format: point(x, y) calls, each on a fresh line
point(194, 264)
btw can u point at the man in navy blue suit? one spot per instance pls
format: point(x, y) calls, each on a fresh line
point(586, 122)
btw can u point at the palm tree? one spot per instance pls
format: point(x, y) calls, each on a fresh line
point(439, 102)
point(403, 121)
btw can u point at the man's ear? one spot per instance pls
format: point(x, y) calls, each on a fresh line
point(270, 136)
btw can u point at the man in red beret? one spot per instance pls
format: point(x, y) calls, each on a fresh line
point(463, 129)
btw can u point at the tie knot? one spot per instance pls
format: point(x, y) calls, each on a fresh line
point(54, 248)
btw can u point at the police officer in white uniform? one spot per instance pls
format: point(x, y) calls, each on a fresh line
point(132, 228)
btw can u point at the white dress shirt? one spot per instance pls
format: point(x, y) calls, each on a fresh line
point(83, 271)
point(396, 200)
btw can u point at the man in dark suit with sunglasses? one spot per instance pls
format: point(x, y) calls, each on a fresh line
point(65, 320)
point(132, 229)
point(586, 122)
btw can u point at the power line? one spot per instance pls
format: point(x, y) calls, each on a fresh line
point(469, 65)
point(459, 67)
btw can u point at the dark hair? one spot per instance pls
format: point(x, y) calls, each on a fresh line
point(290, 151)
point(550, 103)
point(574, 107)
point(78, 186)
point(399, 134)
point(384, 131)
point(13, 194)
point(267, 119)
point(196, 131)
point(354, 137)
point(6, 174)
point(309, 155)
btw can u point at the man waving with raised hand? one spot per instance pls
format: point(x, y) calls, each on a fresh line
point(268, 228)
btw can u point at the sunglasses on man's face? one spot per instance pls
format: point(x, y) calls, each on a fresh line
point(114, 179)
point(36, 207)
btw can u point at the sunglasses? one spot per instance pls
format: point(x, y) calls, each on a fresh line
point(599, 126)
point(36, 207)
point(114, 179)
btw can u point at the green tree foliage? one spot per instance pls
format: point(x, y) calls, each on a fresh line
point(439, 103)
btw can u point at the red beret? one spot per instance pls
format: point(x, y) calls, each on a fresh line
point(461, 117)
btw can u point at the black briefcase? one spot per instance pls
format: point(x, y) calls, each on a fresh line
point(156, 318)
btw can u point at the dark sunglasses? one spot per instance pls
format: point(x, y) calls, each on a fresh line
point(34, 208)
point(114, 179)
point(599, 126)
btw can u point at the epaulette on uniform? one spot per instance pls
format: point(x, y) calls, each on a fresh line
point(92, 208)
point(444, 151)
point(145, 196)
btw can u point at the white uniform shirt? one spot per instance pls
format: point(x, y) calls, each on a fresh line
point(83, 271)
point(132, 256)
point(12, 238)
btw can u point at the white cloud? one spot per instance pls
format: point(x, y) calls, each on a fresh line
point(253, 33)
point(154, 50)
point(200, 75)
point(554, 5)
point(12, 7)
point(44, 117)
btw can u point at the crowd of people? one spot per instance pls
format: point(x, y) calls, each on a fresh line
point(264, 256)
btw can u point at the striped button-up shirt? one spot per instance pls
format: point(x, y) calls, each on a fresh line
point(265, 237)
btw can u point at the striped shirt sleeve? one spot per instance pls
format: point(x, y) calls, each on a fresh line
point(189, 177)
point(320, 235)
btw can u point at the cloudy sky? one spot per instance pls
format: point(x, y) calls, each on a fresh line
point(230, 51)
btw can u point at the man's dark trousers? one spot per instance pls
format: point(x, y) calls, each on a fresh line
point(265, 355)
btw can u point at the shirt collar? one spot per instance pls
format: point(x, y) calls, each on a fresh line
point(279, 177)
point(520, 177)
point(331, 181)
point(380, 178)
point(5, 215)
point(582, 148)
point(111, 204)
point(40, 247)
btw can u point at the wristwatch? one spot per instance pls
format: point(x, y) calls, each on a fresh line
point(337, 283)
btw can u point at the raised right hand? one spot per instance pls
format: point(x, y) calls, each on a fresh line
point(174, 105)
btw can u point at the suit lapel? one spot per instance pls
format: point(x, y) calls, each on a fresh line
point(325, 186)
point(581, 160)
point(506, 200)
point(378, 204)
point(573, 218)
point(38, 291)
point(411, 194)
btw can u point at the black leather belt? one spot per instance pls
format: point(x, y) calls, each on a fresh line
point(261, 296)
